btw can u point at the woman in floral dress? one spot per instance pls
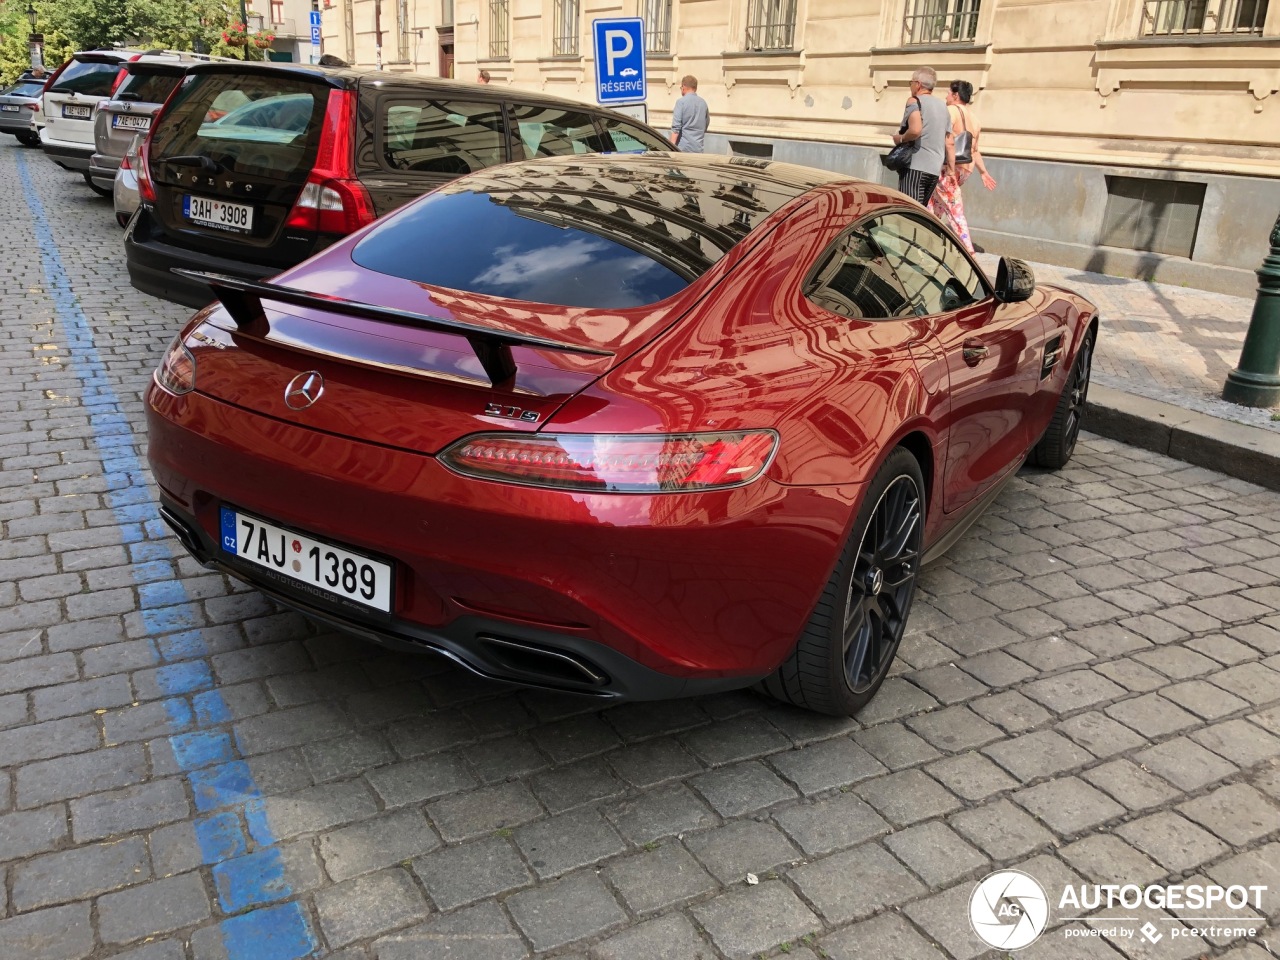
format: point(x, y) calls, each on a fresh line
point(947, 204)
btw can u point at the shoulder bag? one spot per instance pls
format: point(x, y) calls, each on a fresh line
point(899, 158)
point(964, 141)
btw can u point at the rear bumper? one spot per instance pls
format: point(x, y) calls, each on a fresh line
point(664, 595)
point(102, 169)
point(151, 261)
point(16, 123)
point(69, 156)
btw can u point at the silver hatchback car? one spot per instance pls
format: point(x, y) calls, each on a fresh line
point(147, 83)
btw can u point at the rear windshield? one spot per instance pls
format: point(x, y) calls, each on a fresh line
point(89, 79)
point(25, 89)
point(506, 245)
point(253, 125)
point(147, 87)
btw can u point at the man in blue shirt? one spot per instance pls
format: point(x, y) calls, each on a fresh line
point(690, 117)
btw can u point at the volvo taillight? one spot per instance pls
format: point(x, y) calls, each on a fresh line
point(332, 200)
point(146, 189)
point(616, 463)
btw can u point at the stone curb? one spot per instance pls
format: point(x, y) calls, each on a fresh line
point(1238, 450)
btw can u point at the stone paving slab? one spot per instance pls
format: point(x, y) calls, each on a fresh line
point(1090, 689)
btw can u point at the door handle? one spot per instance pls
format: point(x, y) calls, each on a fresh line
point(974, 352)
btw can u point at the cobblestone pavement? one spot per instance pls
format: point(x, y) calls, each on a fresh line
point(1163, 342)
point(1089, 692)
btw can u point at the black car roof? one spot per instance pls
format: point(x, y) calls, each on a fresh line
point(352, 77)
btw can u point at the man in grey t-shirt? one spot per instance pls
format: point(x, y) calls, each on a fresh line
point(929, 128)
point(690, 117)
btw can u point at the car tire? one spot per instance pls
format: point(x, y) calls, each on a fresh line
point(100, 191)
point(1059, 441)
point(845, 651)
point(28, 139)
point(122, 219)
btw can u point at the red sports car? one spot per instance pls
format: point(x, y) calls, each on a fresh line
point(630, 426)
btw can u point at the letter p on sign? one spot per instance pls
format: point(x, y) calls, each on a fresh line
point(617, 44)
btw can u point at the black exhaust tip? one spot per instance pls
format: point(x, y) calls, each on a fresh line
point(186, 536)
point(533, 663)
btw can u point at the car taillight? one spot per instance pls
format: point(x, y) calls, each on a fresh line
point(332, 200)
point(146, 189)
point(32, 106)
point(177, 370)
point(616, 463)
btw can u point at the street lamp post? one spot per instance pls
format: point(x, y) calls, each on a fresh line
point(1255, 382)
point(244, 22)
point(35, 41)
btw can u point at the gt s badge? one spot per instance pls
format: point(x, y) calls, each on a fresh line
point(510, 413)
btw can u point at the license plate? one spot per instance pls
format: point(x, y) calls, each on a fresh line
point(235, 217)
point(316, 566)
point(76, 112)
point(9, 107)
point(127, 122)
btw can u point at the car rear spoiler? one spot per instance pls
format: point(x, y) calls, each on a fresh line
point(243, 300)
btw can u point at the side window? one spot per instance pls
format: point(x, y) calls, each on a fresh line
point(631, 139)
point(935, 274)
point(854, 279)
point(437, 136)
point(555, 132)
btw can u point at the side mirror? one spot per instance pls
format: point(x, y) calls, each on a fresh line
point(1014, 281)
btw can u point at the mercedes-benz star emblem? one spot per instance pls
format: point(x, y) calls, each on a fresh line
point(304, 390)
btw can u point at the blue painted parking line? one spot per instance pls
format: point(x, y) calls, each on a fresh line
point(219, 778)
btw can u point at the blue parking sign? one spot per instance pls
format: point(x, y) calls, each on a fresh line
point(315, 18)
point(619, 60)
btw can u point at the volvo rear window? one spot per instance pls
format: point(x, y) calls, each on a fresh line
point(249, 124)
point(147, 87)
point(92, 79)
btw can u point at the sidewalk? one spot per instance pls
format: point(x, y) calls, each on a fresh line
point(1162, 358)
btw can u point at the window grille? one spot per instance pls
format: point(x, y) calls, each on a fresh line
point(771, 24)
point(499, 18)
point(1166, 18)
point(657, 26)
point(940, 21)
point(564, 41)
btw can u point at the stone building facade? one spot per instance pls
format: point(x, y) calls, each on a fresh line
point(1133, 137)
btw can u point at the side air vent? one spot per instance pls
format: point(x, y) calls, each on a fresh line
point(1052, 354)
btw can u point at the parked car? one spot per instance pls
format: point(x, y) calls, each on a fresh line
point(254, 167)
point(19, 106)
point(641, 426)
point(70, 97)
point(124, 189)
point(137, 98)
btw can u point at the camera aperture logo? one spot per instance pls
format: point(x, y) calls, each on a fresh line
point(1009, 910)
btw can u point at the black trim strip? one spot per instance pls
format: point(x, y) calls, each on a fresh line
point(243, 300)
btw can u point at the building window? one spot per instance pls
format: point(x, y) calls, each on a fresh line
point(1165, 18)
point(940, 21)
point(1160, 216)
point(771, 24)
point(277, 11)
point(657, 26)
point(446, 13)
point(564, 40)
point(499, 18)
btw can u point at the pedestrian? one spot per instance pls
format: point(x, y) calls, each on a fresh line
point(929, 129)
point(482, 76)
point(690, 118)
point(947, 203)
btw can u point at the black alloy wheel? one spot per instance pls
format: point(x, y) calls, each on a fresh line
point(882, 585)
point(1059, 441)
point(845, 650)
